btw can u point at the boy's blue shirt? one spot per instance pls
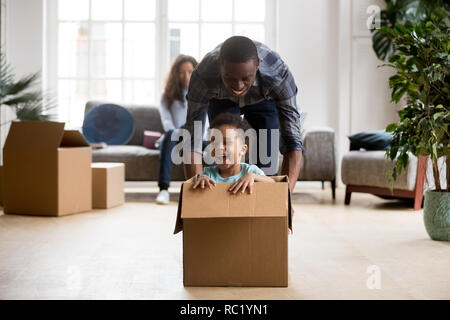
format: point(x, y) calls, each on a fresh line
point(213, 172)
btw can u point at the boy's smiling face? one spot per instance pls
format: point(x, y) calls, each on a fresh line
point(229, 150)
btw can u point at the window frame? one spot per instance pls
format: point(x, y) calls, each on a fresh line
point(162, 59)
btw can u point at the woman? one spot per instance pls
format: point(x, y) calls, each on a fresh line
point(173, 115)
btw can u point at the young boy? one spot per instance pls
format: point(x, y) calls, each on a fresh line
point(227, 154)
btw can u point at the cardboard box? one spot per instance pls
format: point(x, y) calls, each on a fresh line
point(46, 170)
point(108, 182)
point(235, 240)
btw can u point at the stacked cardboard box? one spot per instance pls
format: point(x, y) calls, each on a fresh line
point(108, 180)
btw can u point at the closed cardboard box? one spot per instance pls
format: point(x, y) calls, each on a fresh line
point(46, 170)
point(108, 182)
point(235, 240)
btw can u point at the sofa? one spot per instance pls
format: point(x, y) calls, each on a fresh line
point(141, 164)
point(319, 161)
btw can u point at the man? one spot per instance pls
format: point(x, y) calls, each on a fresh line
point(246, 77)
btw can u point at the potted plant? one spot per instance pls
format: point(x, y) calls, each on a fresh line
point(421, 60)
point(28, 102)
point(399, 12)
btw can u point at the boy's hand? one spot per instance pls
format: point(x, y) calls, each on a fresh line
point(202, 181)
point(243, 183)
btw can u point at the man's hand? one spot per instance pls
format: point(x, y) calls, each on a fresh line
point(292, 161)
point(202, 181)
point(243, 183)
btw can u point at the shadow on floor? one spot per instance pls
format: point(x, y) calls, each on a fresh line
point(297, 198)
point(312, 198)
point(305, 198)
point(397, 204)
point(147, 196)
point(425, 243)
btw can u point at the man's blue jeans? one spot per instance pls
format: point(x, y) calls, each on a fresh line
point(262, 115)
point(165, 159)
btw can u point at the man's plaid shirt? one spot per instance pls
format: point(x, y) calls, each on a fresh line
point(273, 81)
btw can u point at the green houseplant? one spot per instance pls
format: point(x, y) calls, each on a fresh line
point(400, 12)
point(421, 60)
point(28, 102)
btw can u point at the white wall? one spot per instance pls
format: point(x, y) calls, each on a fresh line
point(24, 32)
point(3, 22)
point(307, 42)
point(311, 36)
point(370, 96)
point(24, 35)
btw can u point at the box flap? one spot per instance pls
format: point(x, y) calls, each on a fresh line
point(193, 203)
point(73, 138)
point(290, 212)
point(179, 222)
point(220, 203)
point(34, 134)
point(280, 178)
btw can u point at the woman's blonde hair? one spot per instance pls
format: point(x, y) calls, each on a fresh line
point(172, 89)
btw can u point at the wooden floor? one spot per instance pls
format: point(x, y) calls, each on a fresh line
point(129, 252)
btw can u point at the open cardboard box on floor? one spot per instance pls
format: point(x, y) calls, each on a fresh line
point(235, 240)
point(46, 170)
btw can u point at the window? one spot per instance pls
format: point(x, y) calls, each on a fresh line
point(197, 26)
point(121, 50)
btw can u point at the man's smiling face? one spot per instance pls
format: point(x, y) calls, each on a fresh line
point(239, 77)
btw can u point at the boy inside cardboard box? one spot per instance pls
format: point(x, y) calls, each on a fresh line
point(234, 219)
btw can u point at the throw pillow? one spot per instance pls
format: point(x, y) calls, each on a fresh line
point(370, 140)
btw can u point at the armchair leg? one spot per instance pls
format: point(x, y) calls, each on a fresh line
point(323, 185)
point(333, 188)
point(418, 193)
point(348, 195)
point(418, 202)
